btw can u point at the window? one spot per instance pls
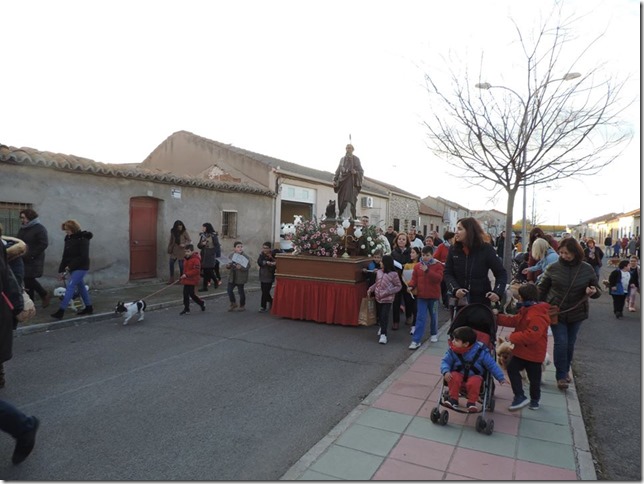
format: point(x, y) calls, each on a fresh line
point(10, 217)
point(229, 224)
point(397, 224)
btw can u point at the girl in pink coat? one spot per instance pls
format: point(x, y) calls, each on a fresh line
point(387, 285)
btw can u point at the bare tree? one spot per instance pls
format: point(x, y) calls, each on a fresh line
point(558, 124)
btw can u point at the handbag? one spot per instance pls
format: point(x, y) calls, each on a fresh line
point(367, 316)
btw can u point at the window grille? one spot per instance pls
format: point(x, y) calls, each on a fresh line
point(229, 224)
point(10, 217)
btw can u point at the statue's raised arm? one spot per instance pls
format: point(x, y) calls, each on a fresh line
point(347, 183)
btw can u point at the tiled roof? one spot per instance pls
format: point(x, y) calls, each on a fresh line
point(427, 210)
point(321, 175)
point(58, 161)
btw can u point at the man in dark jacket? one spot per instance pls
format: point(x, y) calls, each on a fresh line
point(12, 420)
point(34, 234)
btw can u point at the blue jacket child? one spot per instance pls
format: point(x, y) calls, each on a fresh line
point(456, 373)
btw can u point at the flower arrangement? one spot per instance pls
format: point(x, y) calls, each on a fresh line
point(369, 241)
point(317, 238)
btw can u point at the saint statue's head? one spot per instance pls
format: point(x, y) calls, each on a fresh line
point(349, 149)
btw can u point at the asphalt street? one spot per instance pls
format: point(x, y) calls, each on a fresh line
point(607, 367)
point(209, 396)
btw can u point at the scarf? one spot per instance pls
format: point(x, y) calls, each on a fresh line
point(31, 223)
point(462, 350)
point(526, 304)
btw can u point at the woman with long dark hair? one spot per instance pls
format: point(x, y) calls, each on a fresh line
point(401, 253)
point(210, 251)
point(179, 238)
point(568, 283)
point(468, 263)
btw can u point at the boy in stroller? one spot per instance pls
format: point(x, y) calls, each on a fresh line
point(464, 363)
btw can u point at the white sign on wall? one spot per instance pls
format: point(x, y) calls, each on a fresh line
point(298, 194)
point(175, 192)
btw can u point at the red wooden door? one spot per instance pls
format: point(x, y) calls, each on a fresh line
point(143, 237)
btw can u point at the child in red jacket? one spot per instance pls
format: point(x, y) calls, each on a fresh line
point(190, 278)
point(530, 338)
point(426, 279)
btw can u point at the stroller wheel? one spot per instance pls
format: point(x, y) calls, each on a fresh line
point(435, 415)
point(444, 417)
point(480, 424)
point(489, 427)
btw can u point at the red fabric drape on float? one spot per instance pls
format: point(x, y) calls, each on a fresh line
point(323, 302)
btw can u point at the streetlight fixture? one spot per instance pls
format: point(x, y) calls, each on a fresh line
point(487, 86)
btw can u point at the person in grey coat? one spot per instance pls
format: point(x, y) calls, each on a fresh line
point(34, 234)
point(568, 283)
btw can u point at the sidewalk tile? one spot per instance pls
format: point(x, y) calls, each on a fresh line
point(396, 470)
point(408, 389)
point(497, 443)
point(454, 477)
point(481, 465)
point(527, 471)
point(384, 419)
point(548, 453)
point(550, 432)
point(423, 452)
point(546, 413)
point(428, 368)
point(554, 399)
point(507, 424)
point(368, 439)
point(423, 428)
point(348, 464)
point(398, 403)
point(310, 475)
point(411, 376)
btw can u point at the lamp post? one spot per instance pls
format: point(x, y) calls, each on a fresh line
point(524, 151)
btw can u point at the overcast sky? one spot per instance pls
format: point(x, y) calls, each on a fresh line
point(111, 80)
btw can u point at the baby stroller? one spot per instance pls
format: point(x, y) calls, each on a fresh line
point(480, 318)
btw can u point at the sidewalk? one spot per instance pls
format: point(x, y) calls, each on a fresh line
point(390, 436)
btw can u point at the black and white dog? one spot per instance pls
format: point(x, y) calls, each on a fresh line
point(130, 309)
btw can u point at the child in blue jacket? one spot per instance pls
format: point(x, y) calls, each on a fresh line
point(475, 353)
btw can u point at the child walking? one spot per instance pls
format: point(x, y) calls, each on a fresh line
point(530, 339)
point(190, 278)
point(387, 285)
point(267, 264)
point(426, 279)
point(407, 272)
point(237, 276)
point(463, 363)
point(634, 283)
point(372, 268)
point(619, 282)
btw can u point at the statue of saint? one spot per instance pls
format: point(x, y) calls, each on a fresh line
point(347, 183)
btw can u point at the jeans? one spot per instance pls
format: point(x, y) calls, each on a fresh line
point(13, 421)
point(597, 268)
point(266, 294)
point(75, 281)
point(425, 305)
point(382, 314)
point(565, 335)
point(189, 293)
point(171, 266)
point(242, 294)
point(532, 369)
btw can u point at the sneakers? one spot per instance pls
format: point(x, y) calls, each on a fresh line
point(414, 345)
point(25, 444)
point(518, 403)
point(383, 339)
point(632, 310)
point(412, 330)
point(534, 405)
point(434, 338)
point(262, 310)
point(232, 306)
point(379, 331)
point(185, 311)
point(451, 403)
point(471, 407)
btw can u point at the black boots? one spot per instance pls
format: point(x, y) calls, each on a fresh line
point(58, 314)
point(88, 310)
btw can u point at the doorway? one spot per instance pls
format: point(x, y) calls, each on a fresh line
point(143, 237)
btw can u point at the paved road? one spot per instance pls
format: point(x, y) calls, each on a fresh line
point(210, 396)
point(607, 368)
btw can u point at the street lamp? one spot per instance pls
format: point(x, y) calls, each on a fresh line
point(486, 85)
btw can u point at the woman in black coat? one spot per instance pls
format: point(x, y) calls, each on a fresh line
point(74, 266)
point(34, 234)
point(401, 253)
point(468, 263)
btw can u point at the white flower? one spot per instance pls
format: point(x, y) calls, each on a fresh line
point(362, 246)
point(372, 243)
point(369, 239)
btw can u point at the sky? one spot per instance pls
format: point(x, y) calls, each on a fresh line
point(111, 80)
